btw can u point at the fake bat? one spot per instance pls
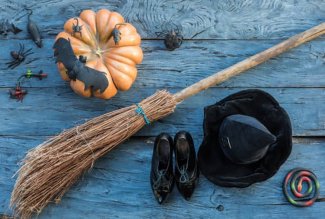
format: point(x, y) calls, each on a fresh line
point(6, 27)
point(76, 68)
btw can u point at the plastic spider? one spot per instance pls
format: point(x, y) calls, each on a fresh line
point(77, 28)
point(17, 93)
point(173, 38)
point(19, 56)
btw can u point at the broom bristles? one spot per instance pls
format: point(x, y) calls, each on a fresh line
point(51, 168)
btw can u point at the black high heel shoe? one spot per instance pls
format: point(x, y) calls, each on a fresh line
point(161, 175)
point(186, 170)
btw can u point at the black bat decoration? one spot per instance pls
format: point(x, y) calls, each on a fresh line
point(76, 68)
point(6, 27)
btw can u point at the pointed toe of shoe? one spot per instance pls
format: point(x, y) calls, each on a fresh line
point(161, 197)
point(186, 190)
point(188, 193)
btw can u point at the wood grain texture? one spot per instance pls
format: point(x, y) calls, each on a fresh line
point(300, 67)
point(224, 32)
point(118, 186)
point(201, 19)
point(250, 62)
point(49, 111)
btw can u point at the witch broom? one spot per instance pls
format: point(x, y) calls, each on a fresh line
point(51, 168)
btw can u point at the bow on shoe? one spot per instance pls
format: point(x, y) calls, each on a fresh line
point(184, 178)
point(162, 184)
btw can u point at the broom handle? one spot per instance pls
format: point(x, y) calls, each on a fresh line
point(250, 62)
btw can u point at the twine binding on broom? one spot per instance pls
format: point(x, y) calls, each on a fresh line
point(140, 111)
point(51, 168)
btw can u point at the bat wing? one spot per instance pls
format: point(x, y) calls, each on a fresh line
point(77, 70)
point(92, 78)
point(64, 53)
point(15, 29)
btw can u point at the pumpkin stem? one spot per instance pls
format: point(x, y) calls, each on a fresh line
point(98, 52)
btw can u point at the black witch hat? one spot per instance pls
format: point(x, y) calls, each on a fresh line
point(247, 137)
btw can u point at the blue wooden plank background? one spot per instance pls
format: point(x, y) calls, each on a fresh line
point(218, 34)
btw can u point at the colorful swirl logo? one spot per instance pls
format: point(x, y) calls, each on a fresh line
point(295, 190)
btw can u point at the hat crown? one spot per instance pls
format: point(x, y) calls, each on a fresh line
point(244, 139)
point(212, 157)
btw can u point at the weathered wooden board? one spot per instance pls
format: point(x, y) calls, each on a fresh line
point(224, 32)
point(47, 111)
point(118, 186)
point(201, 19)
point(301, 67)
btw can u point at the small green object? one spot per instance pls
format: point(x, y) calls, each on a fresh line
point(29, 73)
point(310, 189)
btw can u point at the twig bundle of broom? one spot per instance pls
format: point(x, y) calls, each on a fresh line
point(50, 169)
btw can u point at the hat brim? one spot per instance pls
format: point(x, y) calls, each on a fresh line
point(255, 103)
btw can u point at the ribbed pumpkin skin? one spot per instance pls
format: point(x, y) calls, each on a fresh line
point(96, 42)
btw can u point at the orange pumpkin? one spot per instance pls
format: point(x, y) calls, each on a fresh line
point(110, 45)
